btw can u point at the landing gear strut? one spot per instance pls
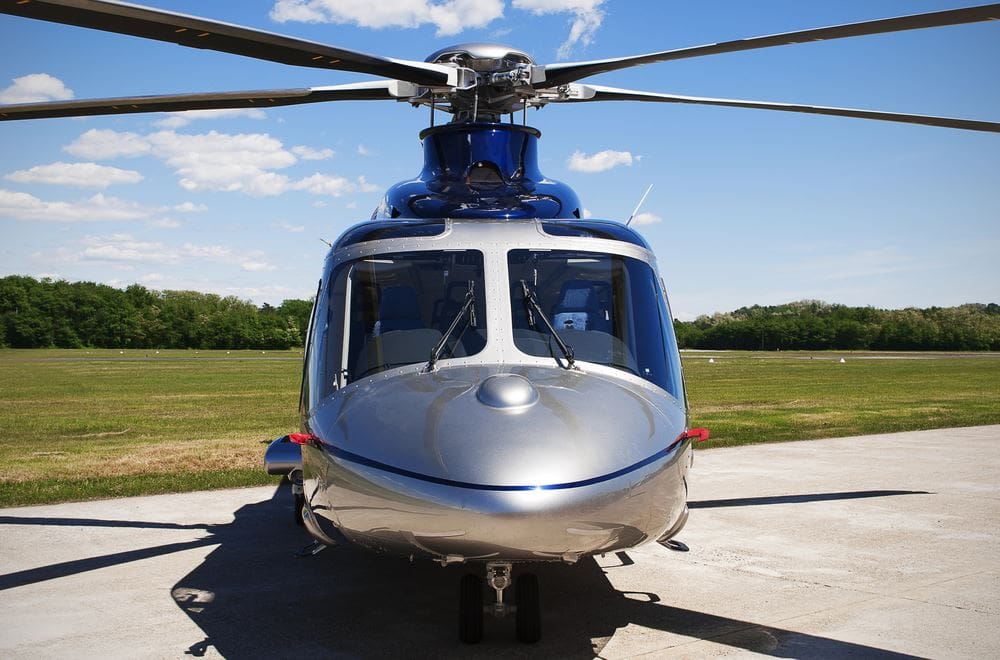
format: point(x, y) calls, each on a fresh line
point(528, 613)
point(295, 477)
point(498, 577)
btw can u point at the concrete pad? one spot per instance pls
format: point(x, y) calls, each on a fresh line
point(882, 546)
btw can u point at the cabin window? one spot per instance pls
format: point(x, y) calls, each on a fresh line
point(390, 310)
point(608, 308)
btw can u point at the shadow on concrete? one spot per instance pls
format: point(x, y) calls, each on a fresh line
point(89, 522)
point(65, 569)
point(253, 598)
point(801, 499)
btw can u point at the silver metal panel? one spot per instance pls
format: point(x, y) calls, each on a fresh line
point(391, 513)
point(583, 426)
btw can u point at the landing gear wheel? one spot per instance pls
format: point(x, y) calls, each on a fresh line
point(470, 609)
point(300, 501)
point(529, 611)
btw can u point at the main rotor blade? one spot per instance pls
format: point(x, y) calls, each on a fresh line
point(567, 72)
point(585, 93)
point(378, 90)
point(203, 33)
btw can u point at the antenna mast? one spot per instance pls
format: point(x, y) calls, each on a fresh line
point(641, 200)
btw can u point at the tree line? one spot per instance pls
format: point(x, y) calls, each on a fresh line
point(816, 325)
point(55, 313)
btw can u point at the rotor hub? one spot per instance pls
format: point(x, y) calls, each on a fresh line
point(481, 57)
point(503, 81)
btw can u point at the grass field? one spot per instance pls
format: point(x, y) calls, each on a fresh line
point(100, 423)
point(761, 397)
point(81, 424)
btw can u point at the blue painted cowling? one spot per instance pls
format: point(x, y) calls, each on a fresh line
point(480, 170)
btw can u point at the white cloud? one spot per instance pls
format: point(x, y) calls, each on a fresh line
point(220, 161)
point(213, 161)
point(587, 213)
point(308, 153)
point(165, 223)
point(319, 204)
point(449, 16)
point(294, 229)
point(365, 187)
point(257, 266)
point(351, 205)
point(207, 161)
point(98, 144)
point(35, 87)
point(864, 263)
point(81, 175)
point(587, 18)
point(324, 184)
point(124, 249)
point(205, 251)
point(178, 119)
point(189, 207)
point(363, 150)
point(646, 218)
point(22, 206)
point(599, 162)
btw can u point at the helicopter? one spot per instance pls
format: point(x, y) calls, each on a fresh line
point(490, 379)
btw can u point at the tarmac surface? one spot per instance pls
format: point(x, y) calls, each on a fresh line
point(877, 546)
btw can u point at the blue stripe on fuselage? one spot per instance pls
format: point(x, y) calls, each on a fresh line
point(368, 462)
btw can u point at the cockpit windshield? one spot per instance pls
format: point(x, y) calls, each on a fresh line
point(425, 307)
point(394, 309)
point(606, 308)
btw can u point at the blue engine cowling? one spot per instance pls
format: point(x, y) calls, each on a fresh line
point(480, 170)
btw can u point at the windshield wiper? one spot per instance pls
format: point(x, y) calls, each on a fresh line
point(531, 304)
point(467, 308)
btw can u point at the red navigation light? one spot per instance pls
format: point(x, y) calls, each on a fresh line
point(699, 435)
point(303, 438)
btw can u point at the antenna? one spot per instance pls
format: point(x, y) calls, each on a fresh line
point(641, 200)
point(331, 244)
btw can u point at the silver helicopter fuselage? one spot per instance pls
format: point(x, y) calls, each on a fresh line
point(503, 448)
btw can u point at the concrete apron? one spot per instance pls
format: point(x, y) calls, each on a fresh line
point(881, 545)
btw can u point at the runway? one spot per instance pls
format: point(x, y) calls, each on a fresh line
point(875, 546)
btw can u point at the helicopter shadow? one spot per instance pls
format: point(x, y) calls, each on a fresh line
point(253, 597)
point(801, 499)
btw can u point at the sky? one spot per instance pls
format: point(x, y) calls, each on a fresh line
point(747, 207)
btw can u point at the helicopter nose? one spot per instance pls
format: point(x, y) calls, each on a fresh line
point(537, 464)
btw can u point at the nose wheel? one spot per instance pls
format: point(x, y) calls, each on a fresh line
point(470, 609)
point(529, 611)
point(526, 608)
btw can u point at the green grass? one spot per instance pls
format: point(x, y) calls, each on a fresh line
point(763, 397)
point(88, 424)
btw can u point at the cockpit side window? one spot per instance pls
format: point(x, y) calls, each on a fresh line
point(606, 307)
point(390, 310)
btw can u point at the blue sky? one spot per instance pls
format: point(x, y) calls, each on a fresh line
point(746, 207)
